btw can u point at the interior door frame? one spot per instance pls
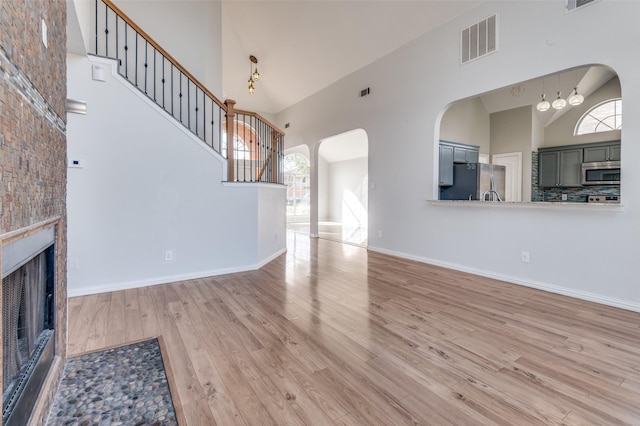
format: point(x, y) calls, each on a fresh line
point(513, 178)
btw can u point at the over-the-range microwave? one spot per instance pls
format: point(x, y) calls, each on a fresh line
point(601, 173)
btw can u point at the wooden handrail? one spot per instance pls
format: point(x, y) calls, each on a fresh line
point(171, 59)
point(261, 118)
point(228, 106)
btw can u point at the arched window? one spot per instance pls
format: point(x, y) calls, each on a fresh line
point(604, 117)
point(245, 142)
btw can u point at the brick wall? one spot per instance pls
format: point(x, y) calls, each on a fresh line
point(33, 137)
point(21, 39)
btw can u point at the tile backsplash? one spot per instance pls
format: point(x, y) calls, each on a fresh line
point(574, 194)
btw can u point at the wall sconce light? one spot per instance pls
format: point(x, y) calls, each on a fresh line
point(254, 75)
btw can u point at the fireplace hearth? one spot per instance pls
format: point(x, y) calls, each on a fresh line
point(28, 319)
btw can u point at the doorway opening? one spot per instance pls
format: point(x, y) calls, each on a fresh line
point(297, 178)
point(343, 174)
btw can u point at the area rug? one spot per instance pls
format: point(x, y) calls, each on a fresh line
point(126, 385)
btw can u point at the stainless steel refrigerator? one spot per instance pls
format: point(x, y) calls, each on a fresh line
point(473, 181)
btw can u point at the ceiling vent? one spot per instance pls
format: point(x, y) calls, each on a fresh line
point(572, 5)
point(479, 39)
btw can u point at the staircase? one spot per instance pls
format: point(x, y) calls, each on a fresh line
point(257, 150)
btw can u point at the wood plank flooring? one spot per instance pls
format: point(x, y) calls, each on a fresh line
point(333, 334)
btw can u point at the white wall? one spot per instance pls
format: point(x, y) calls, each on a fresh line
point(189, 30)
point(349, 175)
point(324, 190)
point(147, 186)
point(467, 122)
point(511, 131)
point(402, 120)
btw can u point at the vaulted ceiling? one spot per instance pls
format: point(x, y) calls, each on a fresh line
point(303, 46)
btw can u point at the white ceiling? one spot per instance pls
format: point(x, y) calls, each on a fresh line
point(587, 79)
point(303, 46)
point(345, 146)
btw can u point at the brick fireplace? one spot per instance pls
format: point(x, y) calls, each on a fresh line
point(33, 169)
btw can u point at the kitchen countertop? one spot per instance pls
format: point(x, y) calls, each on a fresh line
point(562, 205)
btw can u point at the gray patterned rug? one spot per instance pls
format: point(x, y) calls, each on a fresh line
point(120, 386)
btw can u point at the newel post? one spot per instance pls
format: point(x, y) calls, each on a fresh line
point(231, 118)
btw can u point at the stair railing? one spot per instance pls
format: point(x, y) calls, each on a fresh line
point(257, 150)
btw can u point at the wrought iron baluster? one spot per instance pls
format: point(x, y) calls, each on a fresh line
point(154, 74)
point(146, 60)
point(106, 30)
point(126, 50)
point(137, 35)
point(236, 146)
point(163, 81)
point(96, 52)
point(117, 45)
point(172, 91)
point(213, 114)
point(196, 103)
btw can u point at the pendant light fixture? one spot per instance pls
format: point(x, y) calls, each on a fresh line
point(254, 75)
point(575, 99)
point(559, 103)
point(544, 104)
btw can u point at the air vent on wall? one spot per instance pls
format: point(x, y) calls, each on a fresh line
point(576, 4)
point(479, 39)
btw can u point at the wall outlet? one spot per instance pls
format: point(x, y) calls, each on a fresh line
point(168, 255)
point(525, 257)
point(564, 197)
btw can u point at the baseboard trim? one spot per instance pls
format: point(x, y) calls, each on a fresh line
point(127, 285)
point(551, 288)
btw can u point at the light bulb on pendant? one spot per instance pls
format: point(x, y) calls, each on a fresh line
point(255, 75)
point(543, 105)
point(576, 98)
point(251, 88)
point(559, 103)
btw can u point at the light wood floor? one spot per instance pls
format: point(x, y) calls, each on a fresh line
point(331, 334)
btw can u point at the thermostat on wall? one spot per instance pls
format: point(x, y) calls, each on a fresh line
point(76, 163)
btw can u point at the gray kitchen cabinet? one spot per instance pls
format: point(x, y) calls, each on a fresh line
point(548, 170)
point(465, 155)
point(446, 165)
point(560, 168)
point(609, 152)
point(454, 153)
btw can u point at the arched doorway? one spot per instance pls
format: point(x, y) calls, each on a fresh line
point(343, 175)
point(297, 169)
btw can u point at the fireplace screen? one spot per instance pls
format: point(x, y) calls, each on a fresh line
point(27, 323)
